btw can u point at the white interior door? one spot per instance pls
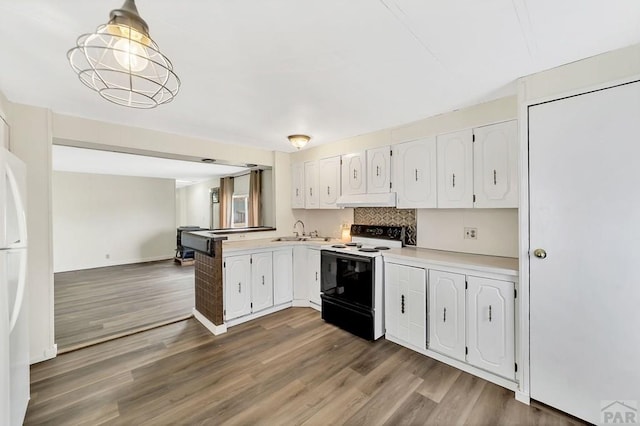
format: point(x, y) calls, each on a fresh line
point(585, 213)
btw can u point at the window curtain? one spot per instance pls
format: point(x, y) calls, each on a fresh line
point(255, 189)
point(226, 201)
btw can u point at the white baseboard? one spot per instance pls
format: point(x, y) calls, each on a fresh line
point(240, 320)
point(523, 397)
point(114, 262)
point(316, 307)
point(299, 303)
point(214, 329)
point(48, 353)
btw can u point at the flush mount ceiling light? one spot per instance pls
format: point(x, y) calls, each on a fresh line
point(299, 141)
point(123, 64)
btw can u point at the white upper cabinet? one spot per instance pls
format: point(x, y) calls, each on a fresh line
point(414, 171)
point(329, 187)
point(311, 196)
point(261, 281)
point(297, 186)
point(379, 170)
point(455, 169)
point(495, 166)
point(354, 170)
point(491, 333)
point(447, 313)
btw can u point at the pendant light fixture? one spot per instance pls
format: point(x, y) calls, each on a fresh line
point(299, 141)
point(123, 64)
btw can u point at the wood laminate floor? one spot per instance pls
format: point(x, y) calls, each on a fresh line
point(287, 368)
point(94, 305)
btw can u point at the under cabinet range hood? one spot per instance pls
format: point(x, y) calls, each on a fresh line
point(387, 199)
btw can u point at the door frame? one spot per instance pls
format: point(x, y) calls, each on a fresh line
point(523, 376)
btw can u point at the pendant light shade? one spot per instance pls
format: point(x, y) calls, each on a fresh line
point(123, 64)
point(299, 141)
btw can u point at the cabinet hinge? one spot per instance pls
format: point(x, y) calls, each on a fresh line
point(391, 153)
point(224, 312)
point(474, 198)
point(515, 293)
point(516, 367)
point(341, 161)
point(251, 260)
point(466, 285)
point(473, 138)
point(390, 185)
point(224, 264)
point(466, 350)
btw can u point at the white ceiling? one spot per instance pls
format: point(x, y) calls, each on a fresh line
point(254, 71)
point(81, 160)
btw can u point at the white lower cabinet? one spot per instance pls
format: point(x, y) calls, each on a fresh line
point(313, 267)
point(282, 276)
point(237, 282)
point(447, 313)
point(261, 281)
point(476, 325)
point(491, 326)
point(406, 304)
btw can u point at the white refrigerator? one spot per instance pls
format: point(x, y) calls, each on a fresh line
point(14, 332)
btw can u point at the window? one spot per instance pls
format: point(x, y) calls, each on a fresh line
point(239, 211)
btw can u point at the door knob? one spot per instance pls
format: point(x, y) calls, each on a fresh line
point(540, 253)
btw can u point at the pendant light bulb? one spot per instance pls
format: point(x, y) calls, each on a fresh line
point(130, 55)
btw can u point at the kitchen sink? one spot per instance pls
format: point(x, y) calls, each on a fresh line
point(289, 239)
point(315, 239)
point(302, 239)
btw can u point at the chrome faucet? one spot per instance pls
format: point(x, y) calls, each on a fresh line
point(294, 228)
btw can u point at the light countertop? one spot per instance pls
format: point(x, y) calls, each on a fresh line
point(265, 243)
point(493, 264)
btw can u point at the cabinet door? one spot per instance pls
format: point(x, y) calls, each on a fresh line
point(329, 188)
point(297, 186)
point(301, 274)
point(491, 327)
point(406, 304)
point(261, 281)
point(237, 292)
point(414, 171)
point(378, 170)
point(311, 198)
point(455, 170)
point(314, 276)
point(353, 174)
point(495, 165)
point(282, 276)
point(447, 313)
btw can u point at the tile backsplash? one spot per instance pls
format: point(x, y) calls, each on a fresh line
point(389, 216)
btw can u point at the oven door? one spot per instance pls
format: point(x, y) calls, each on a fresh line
point(348, 278)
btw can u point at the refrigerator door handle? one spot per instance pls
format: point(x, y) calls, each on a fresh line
point(20, 210)
point(22, 281)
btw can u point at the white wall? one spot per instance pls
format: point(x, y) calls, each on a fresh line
point(31, 141)
point(443, 229)
point(437, 229)
point(104, 220)
point(194, 199)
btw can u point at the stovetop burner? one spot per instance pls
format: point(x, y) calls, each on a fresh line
point(339, 246)
point(381, 248)
point(358, 245)
point(368, 250)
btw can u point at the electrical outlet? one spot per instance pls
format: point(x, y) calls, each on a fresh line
point(470, 233)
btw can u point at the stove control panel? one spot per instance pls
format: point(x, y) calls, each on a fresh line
point(378, 231)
